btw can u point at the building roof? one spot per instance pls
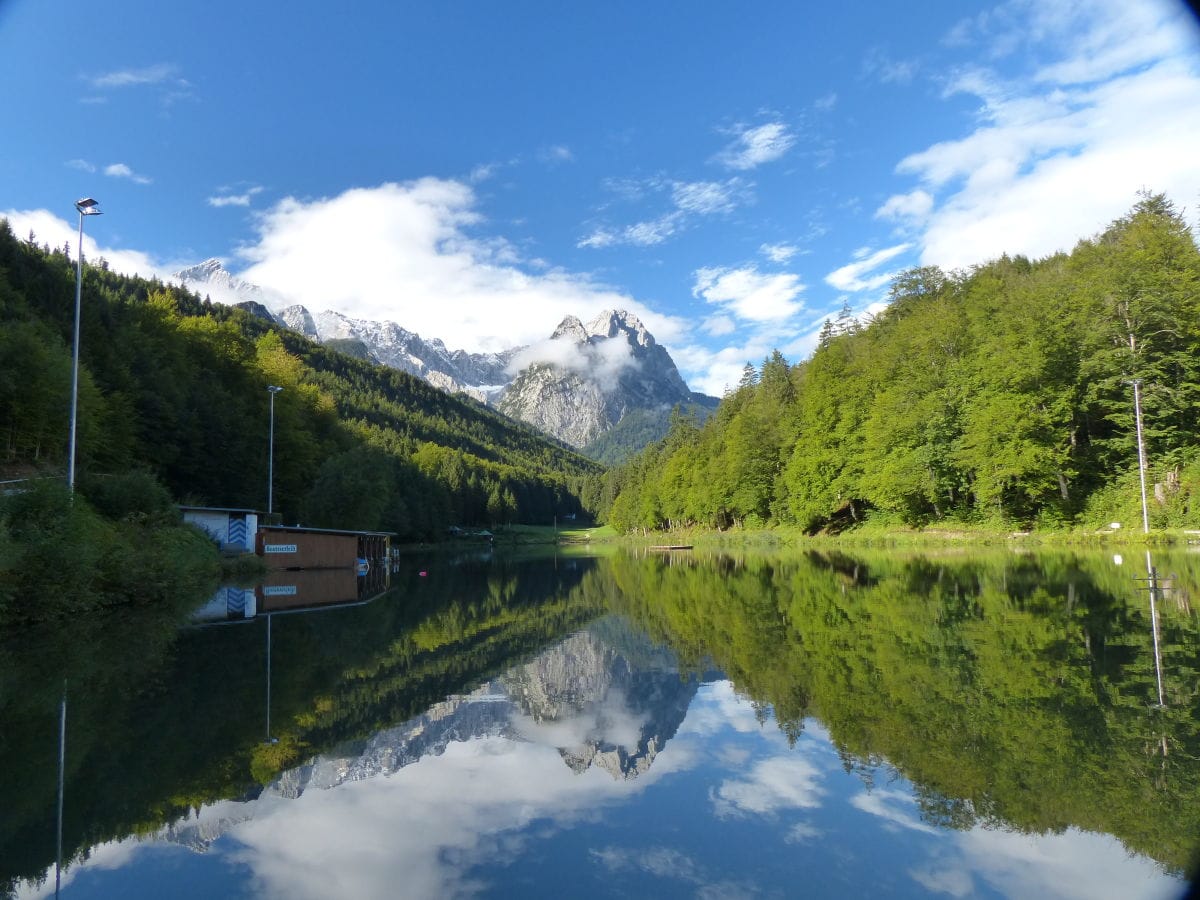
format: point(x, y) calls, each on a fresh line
point(220, 509)
point(305, 528)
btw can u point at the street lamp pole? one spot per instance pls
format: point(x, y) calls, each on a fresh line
point(86, 207)
point(273, 389)
point(1137, 408)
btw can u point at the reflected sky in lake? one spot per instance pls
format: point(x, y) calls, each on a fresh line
point(581, 772)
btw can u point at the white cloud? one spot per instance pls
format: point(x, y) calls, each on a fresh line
point(851, 277)
point(749, 294)
point(880, 65)
point(887, 805)
point(1064, 149)
point(713, 372)
point(156, 74)
point(802, 833)
point(946, 880)
point(1074, 865)
point(689, 200)
point(403, 252)
point(772, 785)
point(912, 208)
point(603, 362)
point(752, 147)
point(705, 197)
point(82, 165)
point(719, 326)
point(778, 253)
point(664, 862)
point(223, 198)
point(120, 170)
point(556, 153)
point(647, 234)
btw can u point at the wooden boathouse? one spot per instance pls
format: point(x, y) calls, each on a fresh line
point(294, 547)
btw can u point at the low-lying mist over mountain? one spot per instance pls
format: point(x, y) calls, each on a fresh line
point(577, 386)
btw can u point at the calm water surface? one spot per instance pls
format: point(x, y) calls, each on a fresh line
point(694, 726)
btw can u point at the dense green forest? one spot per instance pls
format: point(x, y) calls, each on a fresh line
point(639, 428)
point(176, 386)
point(998, 396)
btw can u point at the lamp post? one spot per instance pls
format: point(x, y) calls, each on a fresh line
point(1137, 408)
point(273, 389)
point(86, 207)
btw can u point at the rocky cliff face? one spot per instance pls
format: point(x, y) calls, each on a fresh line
point(586, 378)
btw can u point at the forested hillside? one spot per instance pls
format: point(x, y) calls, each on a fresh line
point(1000, 395)
point(176, 385)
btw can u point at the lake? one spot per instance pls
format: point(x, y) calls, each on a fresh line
point(719, 725)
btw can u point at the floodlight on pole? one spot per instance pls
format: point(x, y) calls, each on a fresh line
point(85, 207)
point(273, 389)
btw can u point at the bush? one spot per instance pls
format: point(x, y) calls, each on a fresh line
point(130, 496)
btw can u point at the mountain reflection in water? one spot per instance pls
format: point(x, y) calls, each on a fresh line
point(733, 726)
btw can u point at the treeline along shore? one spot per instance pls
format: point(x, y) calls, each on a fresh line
point(998, 397)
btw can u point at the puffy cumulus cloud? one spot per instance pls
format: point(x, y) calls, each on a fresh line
point(1111, 106)
point(714, 372)
point(750, 294)
point(1073, 865)
point(54, 231)
point(772, 785)
point(854, 276)
point(402, 252)
point(425, 826)
point(751, 147)
point(912, 208)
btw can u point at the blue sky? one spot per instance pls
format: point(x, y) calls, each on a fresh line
point(476, 171)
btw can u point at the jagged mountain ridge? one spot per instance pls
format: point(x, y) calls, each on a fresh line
point(481, 376)
point(576, 386)
point(587, 378)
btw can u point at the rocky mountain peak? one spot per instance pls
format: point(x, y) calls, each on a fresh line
point(571, 328)
point(613, 367)
point(613, 322)
point(202, 271)
point(297, 318)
